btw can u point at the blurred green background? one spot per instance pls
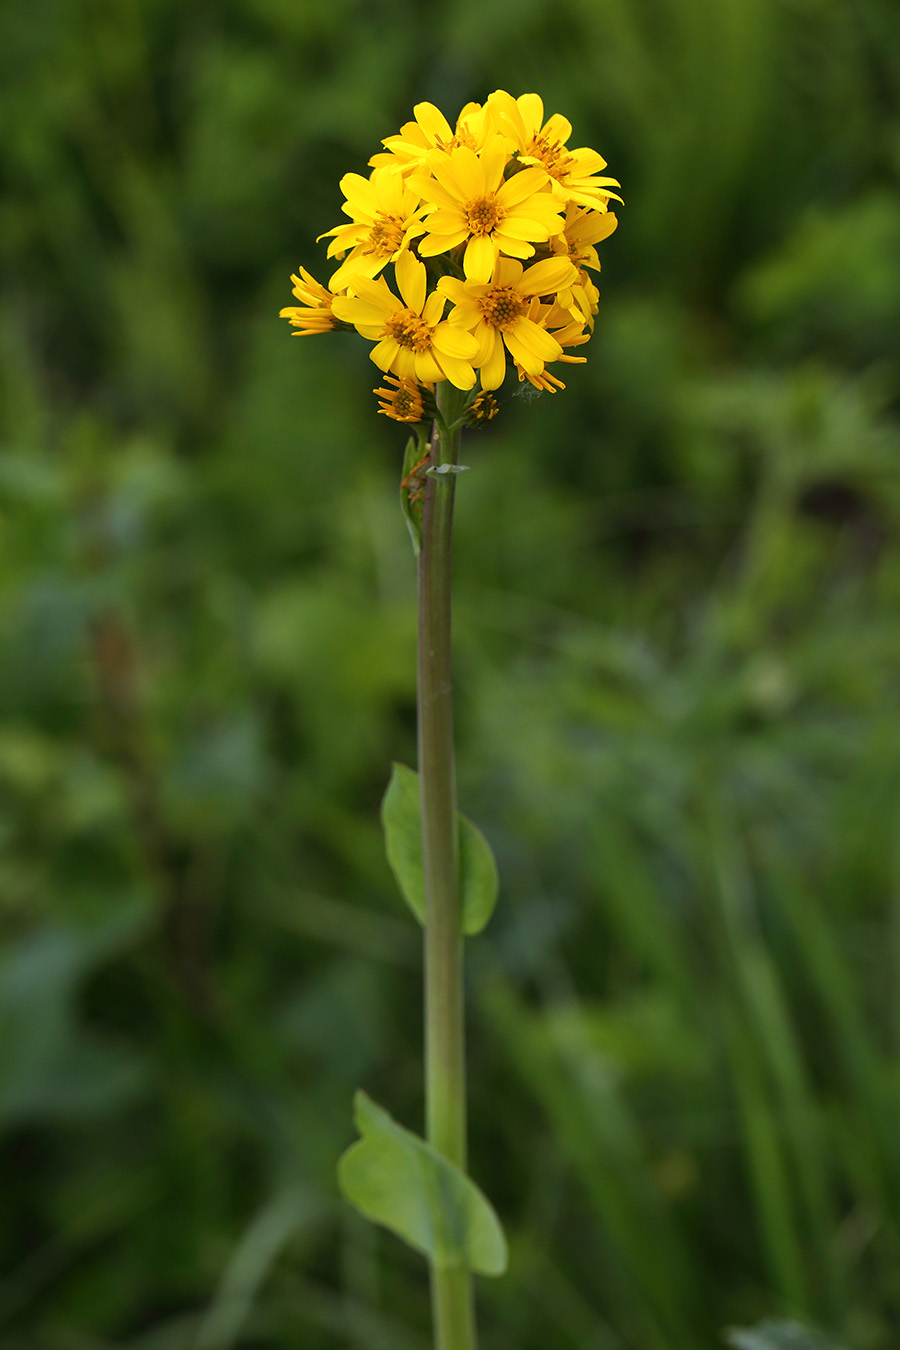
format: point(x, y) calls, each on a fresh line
point(678, 667)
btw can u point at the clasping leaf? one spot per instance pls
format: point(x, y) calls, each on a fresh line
point(401, 816)
point(394, 1178)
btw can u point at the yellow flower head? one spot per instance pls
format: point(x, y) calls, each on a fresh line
point(432, 131)
point(412, 339)
point(573, 172)
point(491, 225)
point(405, 402)
point(313, 314)
point(385, 218)
point(498, 315)
point(473, 205)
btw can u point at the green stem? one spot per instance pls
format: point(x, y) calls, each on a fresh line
point(445, 1063)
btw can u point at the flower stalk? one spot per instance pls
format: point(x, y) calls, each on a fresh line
point(489, 228)
point(445, 1071)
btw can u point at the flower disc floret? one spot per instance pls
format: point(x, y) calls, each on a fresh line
point(502, 306)
point(409, 330)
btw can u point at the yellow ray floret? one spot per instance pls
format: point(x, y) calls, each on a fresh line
point(574, 173)
point(314, 313)
point(473, 205)
point(498, 314)
point(413, 341)
point(385, 216)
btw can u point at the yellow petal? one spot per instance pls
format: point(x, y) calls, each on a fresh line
point(508, 272)
point(434, 308)
point(455, 289)
point(494, 369)
point(433, 122)
point(526, 358)
point(447, 222)
point(515, 248)
point(558, 128)
point(375, 293)
point(468, 170)
point(388, 185)
point(359, 264)
point(535, 340)
point(357, 312)
point(454, 342)
point(478, 263)
point(487, 338)
point(430, 245)
point(360, 196)
point(531, 107)
point(520, 227)
point(458, 372)
point(427, 368)
point(493, 162)
point(442, 166)
point(410, 275)
point(522, 184)
point(588, 161)
point(545, 277)
point(385, 354)
point(433, 191)
point(405, 363)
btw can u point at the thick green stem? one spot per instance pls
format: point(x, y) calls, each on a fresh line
point(445, 1066)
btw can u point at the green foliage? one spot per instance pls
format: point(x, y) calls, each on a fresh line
point(677, 654)
point(779, 1336)
point(401, 817)
point(396, 1179)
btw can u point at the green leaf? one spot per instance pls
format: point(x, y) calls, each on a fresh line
point(401, 816)
point(479, 882)
point(779, 1336)
point(397, 1180)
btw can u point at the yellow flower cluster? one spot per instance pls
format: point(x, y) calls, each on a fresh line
point(496, 217)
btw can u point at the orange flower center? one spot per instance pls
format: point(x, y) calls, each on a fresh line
point(386, 234)
point(552, 154)
point(410, 330)
point(484, 408)
point(462, 137)
point(502, 306)
point(483, 214)
point(407, 405)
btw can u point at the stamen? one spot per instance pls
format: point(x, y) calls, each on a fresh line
point(502, 306)
point(386, 234)
point(483, 215)
point(553, 155)
point(409, 329)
